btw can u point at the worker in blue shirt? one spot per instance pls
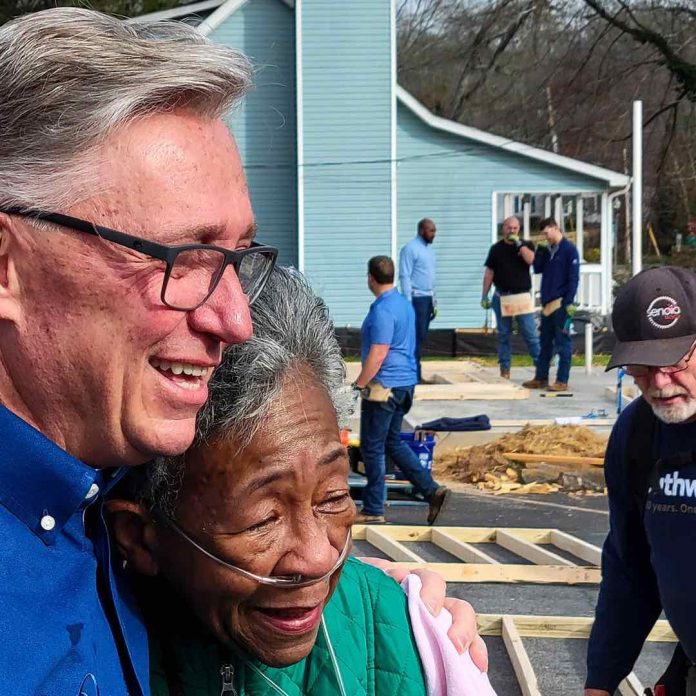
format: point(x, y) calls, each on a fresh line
point(387, 381)
point(417, 278)
point(557, 260)
point(650, 470)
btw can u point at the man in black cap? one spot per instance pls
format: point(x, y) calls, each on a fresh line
point(648, 560)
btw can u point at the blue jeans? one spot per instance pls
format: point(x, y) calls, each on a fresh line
point(527, 329)
point(554, 340)
point(380, 428)
point(423, 307)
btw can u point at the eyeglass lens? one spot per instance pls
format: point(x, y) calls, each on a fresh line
point(196, 272)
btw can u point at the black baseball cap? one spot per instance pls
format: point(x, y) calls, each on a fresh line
point(654, 318)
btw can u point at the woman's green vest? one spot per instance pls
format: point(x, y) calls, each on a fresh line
point(367, 622)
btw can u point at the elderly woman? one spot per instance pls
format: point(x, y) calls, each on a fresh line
point(242, 543)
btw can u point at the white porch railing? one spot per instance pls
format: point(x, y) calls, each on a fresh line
point(589, 294)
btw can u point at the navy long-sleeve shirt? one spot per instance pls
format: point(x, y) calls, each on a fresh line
point(647, 561)
point(560, 269)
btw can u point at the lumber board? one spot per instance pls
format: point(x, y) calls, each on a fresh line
point(532, 552)
point(358, 532)
point(460, 549)
point(394, 549)
point(553, 458)
point(513, 573)
point(478, 535)
point(471, 535)
point(579, 548)
point(469, 390)
point(521, 664)
point(631, 686)
point(560, 627)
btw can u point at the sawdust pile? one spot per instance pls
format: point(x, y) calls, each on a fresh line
point(485, 465)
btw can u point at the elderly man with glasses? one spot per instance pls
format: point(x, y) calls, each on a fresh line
point(650, 468)
point(127, 265)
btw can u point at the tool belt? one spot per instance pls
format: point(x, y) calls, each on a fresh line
point(514, 304)
point(678, 680)
point(374, 391)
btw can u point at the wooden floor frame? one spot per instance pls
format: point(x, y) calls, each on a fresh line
point(513, 628)
point(468, 545)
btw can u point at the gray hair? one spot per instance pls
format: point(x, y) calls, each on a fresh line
point(69, 77)
point(292, 331)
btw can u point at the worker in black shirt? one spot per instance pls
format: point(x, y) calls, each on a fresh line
point(507, 267)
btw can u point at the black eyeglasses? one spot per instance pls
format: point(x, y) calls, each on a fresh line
point(645, 370)
point(193, 271)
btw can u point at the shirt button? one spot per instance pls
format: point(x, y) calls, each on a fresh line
point(93, 490)
point(47, 523)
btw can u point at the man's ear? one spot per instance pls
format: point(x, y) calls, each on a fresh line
point(135, 533)
point(9, 282)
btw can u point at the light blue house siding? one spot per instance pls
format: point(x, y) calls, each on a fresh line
point(452, 180)
point(345, 104)
point(265, 125)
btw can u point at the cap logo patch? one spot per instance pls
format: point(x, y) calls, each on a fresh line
point(663, 312)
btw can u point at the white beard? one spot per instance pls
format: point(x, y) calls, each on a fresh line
point(679, 413)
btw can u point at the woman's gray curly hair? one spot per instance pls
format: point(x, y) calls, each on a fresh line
point(292, 330)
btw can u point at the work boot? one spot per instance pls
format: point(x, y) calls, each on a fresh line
point(505, 372)
point(557, 387)
point(362, 518)
point(437, 502)
point(536, 383)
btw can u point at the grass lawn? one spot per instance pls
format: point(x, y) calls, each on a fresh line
point(600, 360)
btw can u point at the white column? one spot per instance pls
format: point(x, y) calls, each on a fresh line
point(605, 248)
point(547, 205)
point(507, 205)
point(580, 226)
point(637, 249)
point(526, 215)
point(588, 348)
point(558, 212)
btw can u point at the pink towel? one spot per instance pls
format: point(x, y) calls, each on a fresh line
point(447, 673)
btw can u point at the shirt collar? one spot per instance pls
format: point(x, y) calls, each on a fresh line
point(384, 294)
point(40, 483)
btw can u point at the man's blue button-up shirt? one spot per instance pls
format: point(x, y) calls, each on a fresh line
point(417, 269)
point(68, 626)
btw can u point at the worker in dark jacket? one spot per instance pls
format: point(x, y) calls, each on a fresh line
point(650, 469)
point(557, 260)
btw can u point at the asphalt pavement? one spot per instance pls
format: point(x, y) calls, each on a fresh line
point(559, 664)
